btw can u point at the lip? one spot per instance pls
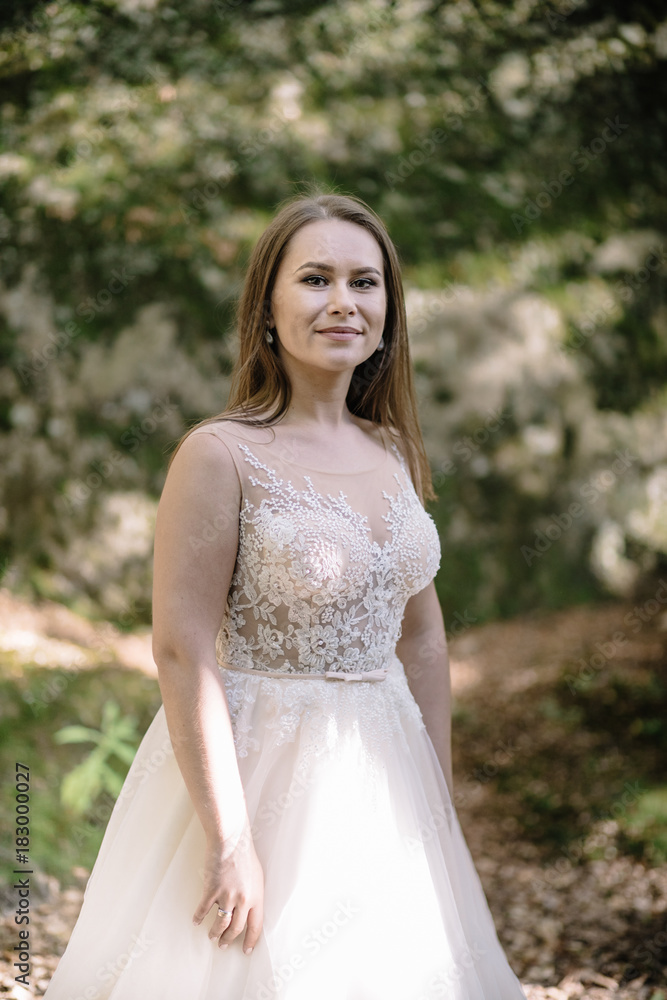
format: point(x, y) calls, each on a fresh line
point(340, 332)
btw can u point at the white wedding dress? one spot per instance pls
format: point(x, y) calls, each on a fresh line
point(370, 889)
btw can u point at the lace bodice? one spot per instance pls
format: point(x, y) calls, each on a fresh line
point(326, 561)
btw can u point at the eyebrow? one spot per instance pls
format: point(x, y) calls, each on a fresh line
point(327, 267)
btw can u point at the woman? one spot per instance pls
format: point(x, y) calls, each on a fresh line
point(287, 828)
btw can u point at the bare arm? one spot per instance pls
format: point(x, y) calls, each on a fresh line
point(196, 542)
point(422, 649)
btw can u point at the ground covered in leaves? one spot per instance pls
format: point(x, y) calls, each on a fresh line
point(560, 728)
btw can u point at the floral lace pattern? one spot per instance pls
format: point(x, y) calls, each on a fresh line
point(311, 587)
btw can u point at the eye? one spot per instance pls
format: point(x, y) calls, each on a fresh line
point(315, 279)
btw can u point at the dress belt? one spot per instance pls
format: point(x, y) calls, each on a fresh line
point(368, 675)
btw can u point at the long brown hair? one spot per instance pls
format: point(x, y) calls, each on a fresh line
point(382, 387)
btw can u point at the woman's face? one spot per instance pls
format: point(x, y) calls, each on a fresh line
point(329, 299)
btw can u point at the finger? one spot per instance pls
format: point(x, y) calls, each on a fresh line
point(255, 920)
point(205, 904)
point(236, 925)
point(220, 924)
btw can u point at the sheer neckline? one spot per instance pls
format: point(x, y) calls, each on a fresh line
point(329, 472)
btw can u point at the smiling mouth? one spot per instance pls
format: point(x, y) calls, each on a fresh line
point(341, 330)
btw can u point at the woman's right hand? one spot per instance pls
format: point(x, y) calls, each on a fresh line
point(233, 880)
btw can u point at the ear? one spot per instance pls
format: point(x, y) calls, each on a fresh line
point(268, 312)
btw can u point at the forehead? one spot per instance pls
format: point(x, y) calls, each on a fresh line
point(335, 242)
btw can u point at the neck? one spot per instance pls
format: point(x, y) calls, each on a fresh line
point(319, 399)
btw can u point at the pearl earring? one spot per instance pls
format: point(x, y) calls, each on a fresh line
point(380, 346)
point(269, 336)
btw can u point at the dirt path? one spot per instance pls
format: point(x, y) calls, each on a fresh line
point(570, 930)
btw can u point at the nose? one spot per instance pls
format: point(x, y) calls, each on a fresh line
point(341, 299)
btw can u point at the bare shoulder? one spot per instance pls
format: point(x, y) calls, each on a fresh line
point(204, 456)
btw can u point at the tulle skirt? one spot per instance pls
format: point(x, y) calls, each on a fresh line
point(370, 889)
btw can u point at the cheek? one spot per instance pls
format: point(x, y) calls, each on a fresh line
point(381, 311)
point(288, 304)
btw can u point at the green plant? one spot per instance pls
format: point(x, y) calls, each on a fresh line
point(644, 826)
point(117, 737)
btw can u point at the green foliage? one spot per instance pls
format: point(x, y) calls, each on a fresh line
point(117, 737)
point(644, 828)
point(35, 703)
point(144, 148)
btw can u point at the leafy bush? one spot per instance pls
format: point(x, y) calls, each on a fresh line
point(517, 155)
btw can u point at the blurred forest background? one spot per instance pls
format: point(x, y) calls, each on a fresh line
point(516, 152)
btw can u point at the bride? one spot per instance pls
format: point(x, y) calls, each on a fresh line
point(287, 829)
